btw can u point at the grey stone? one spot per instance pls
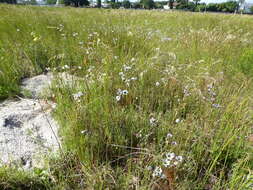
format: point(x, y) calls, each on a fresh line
point(28, 133)
point(37, 84)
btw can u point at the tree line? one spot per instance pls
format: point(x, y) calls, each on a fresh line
point(195, 5)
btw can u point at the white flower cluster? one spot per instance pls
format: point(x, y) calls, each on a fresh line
point(158, 172)
point(125, 76)
point(121, 93)
point(186, 91)
point(171, 159)
point(152, 121)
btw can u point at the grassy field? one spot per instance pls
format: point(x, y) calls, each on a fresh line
point(166, 100)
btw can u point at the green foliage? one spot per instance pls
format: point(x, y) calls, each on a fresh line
point(196, 2)
point(126, 4)
point(99, 3)
point(186, 6)
point(147, 4)
point(8, 1)
point(51, 2)
point(76, 3)
point(230, 6)
point(160, 4)
point(251, 9)
point(136, 5)
point(12, 179)
point(200, 8)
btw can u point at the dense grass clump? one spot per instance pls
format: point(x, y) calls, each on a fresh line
point(163, 100)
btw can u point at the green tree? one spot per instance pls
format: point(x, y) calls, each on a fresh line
point(126, 4)
point(147, 4)
point(51, 2)
point(8, 1)
point(196, 2)
point(99, 3)
point(136, 5)
point(76, 3)
point(251, 9)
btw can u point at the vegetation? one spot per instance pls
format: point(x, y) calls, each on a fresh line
point(76, 3)
point(147, 4)
point(164, 98)
point(51, 2)
point(8, 1)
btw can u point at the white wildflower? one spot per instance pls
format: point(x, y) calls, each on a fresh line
point(118, 98)
point(126, 68)
point(169, 135)
point(157, 84)
point(77, 95)
point(66, 67)
point(157, 172)
point(166, 162)
point(124, 92)
point(75, 34)
point(170, 155)
point(179, 158)
point(177, 120)
point(152, 121)
point(129, 33)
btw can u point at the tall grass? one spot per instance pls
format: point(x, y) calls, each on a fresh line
point(152, 84)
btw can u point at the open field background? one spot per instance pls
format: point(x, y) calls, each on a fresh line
point(154, 84)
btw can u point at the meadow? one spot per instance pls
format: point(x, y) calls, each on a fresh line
point(165, 100)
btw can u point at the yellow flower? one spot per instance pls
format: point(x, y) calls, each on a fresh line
point(36, 39)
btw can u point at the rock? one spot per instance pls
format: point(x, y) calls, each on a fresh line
point(38, 86)
point(35, 85)
point(28, 132)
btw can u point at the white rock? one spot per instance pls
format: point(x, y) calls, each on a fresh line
point(27, 132)
point(37, 84)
